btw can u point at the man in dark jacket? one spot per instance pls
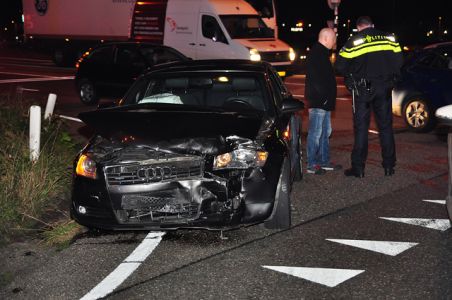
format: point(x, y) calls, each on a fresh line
point(320, 91)
point(369, 61)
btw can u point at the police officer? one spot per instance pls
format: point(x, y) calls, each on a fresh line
point(369, 62)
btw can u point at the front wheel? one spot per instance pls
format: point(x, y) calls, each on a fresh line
point(87, 92)
point(418, 114)
point(281, 214)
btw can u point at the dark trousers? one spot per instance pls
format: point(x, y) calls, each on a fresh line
point(377, 99)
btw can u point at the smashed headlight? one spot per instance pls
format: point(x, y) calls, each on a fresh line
point(240, 159)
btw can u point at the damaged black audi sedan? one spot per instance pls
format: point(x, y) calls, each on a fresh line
point(211, 144)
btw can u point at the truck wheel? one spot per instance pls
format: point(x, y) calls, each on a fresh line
point(87, 92)
point(281, 214)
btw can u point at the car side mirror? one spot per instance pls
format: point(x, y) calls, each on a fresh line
point(444, 114)
point(291, 105)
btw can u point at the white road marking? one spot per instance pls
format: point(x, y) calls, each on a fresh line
point(295, 83)
point(324, 276)
point(437, 224)
point(24, 58)
point(384, 247)
point(126, 268)
point(37, 79)
point(26, 74)
point(373, 131)
point(339, 98)
point(436, 201)
point(26, 90)
point(298, 76)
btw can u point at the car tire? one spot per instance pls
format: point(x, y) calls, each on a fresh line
point(418, 114)
point(299, 159)
point(87, 92)
point(280, 217)
point(449, 194)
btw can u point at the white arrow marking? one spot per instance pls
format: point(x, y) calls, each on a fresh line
point(436, 201)
point(126, 268)
point(324, 276)
point(384, 247)
point(438, 224)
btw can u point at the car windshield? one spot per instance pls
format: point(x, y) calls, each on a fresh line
point(246, 27)
point(156, 55)
point(231, 91)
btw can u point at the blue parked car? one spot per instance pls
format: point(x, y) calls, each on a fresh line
point(424, 86)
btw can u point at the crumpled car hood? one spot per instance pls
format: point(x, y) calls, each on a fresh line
point(172, 131)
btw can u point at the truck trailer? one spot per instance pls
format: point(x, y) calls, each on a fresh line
point(200, 29)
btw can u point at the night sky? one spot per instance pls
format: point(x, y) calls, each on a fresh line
point(409, 20)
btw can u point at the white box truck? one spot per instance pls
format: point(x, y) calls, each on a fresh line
point(200, 29)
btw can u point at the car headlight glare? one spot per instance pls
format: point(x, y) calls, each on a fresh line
point(292, 54)
point(254, 55)
point(86, 167)
point(223, 160)
point(240, 159)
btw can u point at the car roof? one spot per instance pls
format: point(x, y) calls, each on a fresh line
point(220, 65)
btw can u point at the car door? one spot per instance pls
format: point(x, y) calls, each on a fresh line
point(128, 65)
point(211, 39)
point(98, 67)
point(433, 77)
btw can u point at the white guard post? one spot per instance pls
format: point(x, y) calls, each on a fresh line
point(50, 106)
point(35, 132)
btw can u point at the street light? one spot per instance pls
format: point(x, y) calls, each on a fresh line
point(334, 4)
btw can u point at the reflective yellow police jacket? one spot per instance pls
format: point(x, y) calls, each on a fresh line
point(370, 54)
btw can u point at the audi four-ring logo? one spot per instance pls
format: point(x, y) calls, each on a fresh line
point(154, 173)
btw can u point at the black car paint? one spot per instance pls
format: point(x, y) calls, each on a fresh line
point(111, 78)
point(226, 198)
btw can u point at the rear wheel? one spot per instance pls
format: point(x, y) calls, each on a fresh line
point(87, 92)
point(418, 114)
point(281, 214)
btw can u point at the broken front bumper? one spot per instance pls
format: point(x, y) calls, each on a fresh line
point(209, 202)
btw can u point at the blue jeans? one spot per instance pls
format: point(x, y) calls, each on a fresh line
point(318, 148)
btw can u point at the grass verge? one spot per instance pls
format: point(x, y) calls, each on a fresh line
point(28, 190)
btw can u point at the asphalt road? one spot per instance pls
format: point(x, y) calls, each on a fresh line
point(320, 257)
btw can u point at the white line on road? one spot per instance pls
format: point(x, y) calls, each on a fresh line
point(302, 84)
point(24, 58)
point(437, 224)
point(26, 90)
point(436, 201)
point(384, 247)
point(37, 79)
point(328, 277)
point(126, 268)
point(339, 98)
point(26, 74)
